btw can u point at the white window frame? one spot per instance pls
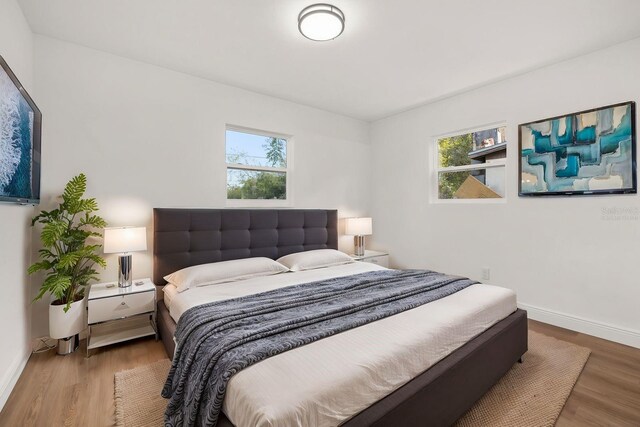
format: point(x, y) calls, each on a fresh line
point(288, 171)
point(435, 162)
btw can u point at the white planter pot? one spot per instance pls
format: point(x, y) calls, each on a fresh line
point(63, 325)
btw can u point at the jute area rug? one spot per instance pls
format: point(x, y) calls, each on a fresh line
point(530, 394)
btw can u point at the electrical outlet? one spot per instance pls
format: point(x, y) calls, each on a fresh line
point(486, 273)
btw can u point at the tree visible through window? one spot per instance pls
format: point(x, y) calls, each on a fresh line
point(453, 151)
point(471, 165)
point(256, 166)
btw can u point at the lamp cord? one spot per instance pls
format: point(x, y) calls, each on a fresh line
point(44, 346)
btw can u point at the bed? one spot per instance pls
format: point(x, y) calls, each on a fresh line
point(436, 396)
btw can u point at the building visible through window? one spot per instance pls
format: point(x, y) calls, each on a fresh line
point(472, 165)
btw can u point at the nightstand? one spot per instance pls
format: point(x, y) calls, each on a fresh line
point(120, 314)
point(374, 257)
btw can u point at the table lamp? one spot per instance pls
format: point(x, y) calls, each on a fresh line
point(358, 227)
point(124, 240)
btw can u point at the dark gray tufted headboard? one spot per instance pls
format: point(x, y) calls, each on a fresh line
point(186, 237)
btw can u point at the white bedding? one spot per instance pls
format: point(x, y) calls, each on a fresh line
point(326, 382)
point(169, 292)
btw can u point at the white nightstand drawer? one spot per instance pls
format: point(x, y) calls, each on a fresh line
point(382, 260)
point(119, 306)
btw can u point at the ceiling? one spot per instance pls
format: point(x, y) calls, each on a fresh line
point(393, 54)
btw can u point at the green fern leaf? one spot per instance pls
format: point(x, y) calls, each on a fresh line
point(52, 232)
point(75, 188)
point(98, 260)
point(93, 221)
point(43, 290)
point(39, 266)
point(46, 254)
point(88, 205)
point(69, 260)
point(57, 285)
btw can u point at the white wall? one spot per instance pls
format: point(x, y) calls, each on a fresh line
point(577, 266)
point(149, 137)
point(16, 47)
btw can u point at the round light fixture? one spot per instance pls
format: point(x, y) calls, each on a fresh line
point(321, 22)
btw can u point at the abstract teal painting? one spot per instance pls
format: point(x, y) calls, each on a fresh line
point(588, 152)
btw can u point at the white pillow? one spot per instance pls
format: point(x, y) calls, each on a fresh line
point(318, 258)
point(224, 271)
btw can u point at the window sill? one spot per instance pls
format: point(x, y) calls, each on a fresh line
point(258, 203)
point(467, 201)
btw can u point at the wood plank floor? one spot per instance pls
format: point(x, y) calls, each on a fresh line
point(608, 390)
point(74, 391)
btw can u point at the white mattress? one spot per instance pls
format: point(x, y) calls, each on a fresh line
point(169, 292)
point(326, 382)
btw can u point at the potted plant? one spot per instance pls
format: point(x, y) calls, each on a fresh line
point(68, 260)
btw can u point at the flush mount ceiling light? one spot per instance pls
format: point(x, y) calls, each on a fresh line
point(321, 22)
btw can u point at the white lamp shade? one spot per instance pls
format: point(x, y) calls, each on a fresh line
point(125, 239)
point(358, 226)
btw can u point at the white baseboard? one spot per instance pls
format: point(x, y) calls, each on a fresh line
point(601, 330)
point(13, 374)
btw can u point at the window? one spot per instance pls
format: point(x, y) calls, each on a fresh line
point(472, 165)
point(258, 165)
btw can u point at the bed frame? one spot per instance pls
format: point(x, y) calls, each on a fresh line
point(437, 397)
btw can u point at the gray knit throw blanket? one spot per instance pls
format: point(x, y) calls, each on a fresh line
point(217, 340)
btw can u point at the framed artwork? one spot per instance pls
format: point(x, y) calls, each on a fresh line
point(588, 152)
point(20, 131)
